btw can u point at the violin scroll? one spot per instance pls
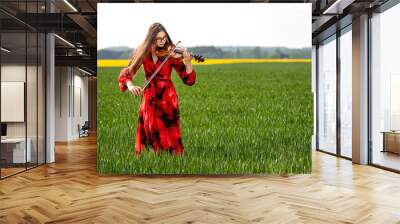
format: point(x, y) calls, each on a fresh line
point(196, 57)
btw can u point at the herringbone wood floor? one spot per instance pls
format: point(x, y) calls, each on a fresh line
point(70, 191)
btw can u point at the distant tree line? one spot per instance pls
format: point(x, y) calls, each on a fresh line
point(219, 52)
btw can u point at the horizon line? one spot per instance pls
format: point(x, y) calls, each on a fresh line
point(218, 46)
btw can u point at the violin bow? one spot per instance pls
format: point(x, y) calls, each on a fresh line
point(159, 67)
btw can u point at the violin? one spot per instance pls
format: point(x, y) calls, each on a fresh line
point(163, 52)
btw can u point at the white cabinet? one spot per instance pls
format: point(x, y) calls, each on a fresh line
point(18, 149)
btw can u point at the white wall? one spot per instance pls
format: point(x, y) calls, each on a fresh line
point(33, 126)
point(70, 83)
point(12, 73)
point(79, 117)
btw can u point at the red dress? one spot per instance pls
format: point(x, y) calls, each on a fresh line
point(159, 119)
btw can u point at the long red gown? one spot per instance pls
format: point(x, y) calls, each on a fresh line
point(159, 119)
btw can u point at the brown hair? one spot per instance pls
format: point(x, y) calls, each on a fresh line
point(143, 49)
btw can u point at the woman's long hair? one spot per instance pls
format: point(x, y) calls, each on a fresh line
point(143, 49)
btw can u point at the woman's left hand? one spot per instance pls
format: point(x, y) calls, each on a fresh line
point(187, 58)
point(124, 72)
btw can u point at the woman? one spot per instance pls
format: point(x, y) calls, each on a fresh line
point(159, 119)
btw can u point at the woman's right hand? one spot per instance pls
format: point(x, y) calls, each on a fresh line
point(136, 90)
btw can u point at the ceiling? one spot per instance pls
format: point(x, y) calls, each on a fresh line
point(330, 15)
point(73, 21)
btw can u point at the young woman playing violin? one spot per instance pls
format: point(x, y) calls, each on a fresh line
point(159, 119)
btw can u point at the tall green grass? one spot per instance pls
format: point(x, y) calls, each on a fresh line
point(236, 119)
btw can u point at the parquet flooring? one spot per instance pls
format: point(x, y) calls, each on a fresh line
point(70, 191)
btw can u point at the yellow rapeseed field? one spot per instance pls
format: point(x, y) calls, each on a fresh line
point(208, 61)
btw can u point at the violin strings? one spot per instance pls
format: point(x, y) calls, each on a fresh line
point(159, 67)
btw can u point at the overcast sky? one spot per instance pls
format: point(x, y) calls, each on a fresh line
point(218, 24)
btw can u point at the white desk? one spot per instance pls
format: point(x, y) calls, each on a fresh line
point(19, 149)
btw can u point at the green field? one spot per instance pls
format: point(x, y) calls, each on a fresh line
point(236, 119)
